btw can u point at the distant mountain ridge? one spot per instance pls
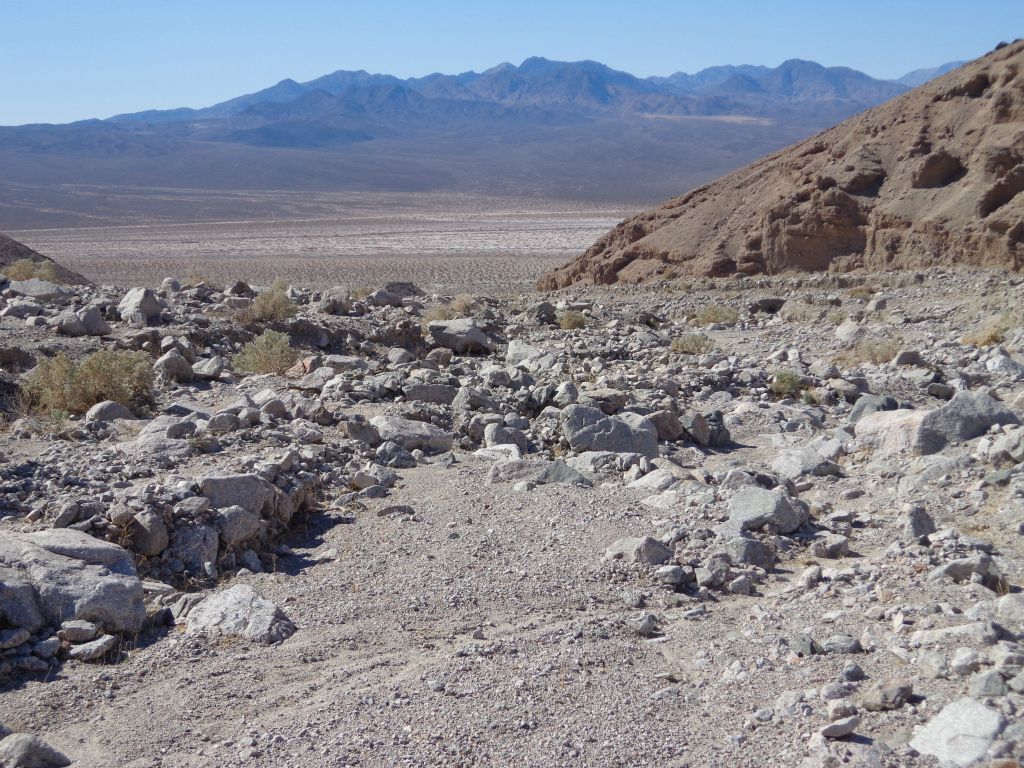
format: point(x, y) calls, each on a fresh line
point(554, 129)
point(587, 85)
point(922, 76)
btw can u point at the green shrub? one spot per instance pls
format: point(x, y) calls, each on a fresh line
point(438, 313)
point(570, 320)
point(57, 385)
point(876, 351)
point(26, 269)
point(270, 306)
point(785, 383)
point(269, 352)
point(691, 344)
point(717, 313)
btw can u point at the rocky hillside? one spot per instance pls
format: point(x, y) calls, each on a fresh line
point(929, 178)
point(12, 252)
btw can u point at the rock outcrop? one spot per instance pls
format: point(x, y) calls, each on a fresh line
point(930, 178)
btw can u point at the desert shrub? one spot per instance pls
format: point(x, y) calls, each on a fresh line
point(439, 312)
point(464, 304)
point(570, 320)
point(717, 313)
point(270, 306)
point(785, 383)
point(875, 351)
point(26, 269)
point(993, 332)
point(691, 344)
point(58, 385)
point(864, 292)
point(269, 352)
point(196, 276)
point(361, 293)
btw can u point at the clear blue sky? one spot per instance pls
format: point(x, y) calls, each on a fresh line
point(70, 59)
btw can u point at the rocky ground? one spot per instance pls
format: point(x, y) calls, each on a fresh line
point(771, 522)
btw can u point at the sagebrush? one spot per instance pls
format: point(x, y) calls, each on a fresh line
point(26, 269)
point(571, 320)
point(57, 385)
point(269, 352)
point(270, 306)
point(691, 344)
point(993, 332)
point(717, 313)
point(786, 383)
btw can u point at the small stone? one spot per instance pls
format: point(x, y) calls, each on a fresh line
point(887, 695)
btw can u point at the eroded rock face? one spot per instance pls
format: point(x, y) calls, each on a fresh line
point(908, 184)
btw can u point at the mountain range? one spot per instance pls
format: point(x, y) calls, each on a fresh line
point(571, 130)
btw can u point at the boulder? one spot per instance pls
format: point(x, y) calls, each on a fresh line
point(589, 429)
point(961, 733)
point(239, 612)
point(461, 336)
point(236, 524)
point(966, 416)
point(108, 410)
point(40, 290)
point(139, 307)
point(412, 434)
point(752, 507)
point(70, 575)
point(248, 491)
point(644, 550)
point(174, 367)
point(93, 321)
point(148, 534)
point(25, 750)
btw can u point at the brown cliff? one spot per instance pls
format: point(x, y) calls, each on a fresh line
point(932, 177)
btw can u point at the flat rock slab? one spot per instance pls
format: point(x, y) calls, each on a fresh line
point(240, 612)
point(961, 733)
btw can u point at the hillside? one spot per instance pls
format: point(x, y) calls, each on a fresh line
point(12, 251)
point(929, 178)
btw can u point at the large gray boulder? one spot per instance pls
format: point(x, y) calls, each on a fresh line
point(961, 733)
point(462, 336)
point(753, 507)
point(93, 321)
point(139, 307)
point(412, 434)
point(966, 416)
point(49, 577)
point(40, 290)
point(589, 429)
point(108, 410)
point(240, 612)
point(174, 367)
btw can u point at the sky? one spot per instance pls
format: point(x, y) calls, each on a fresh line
point(65, 60)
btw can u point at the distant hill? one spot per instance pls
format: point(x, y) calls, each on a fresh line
point(934, 177)
point(570, 130)
point(12, 251)
point(922, 76)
